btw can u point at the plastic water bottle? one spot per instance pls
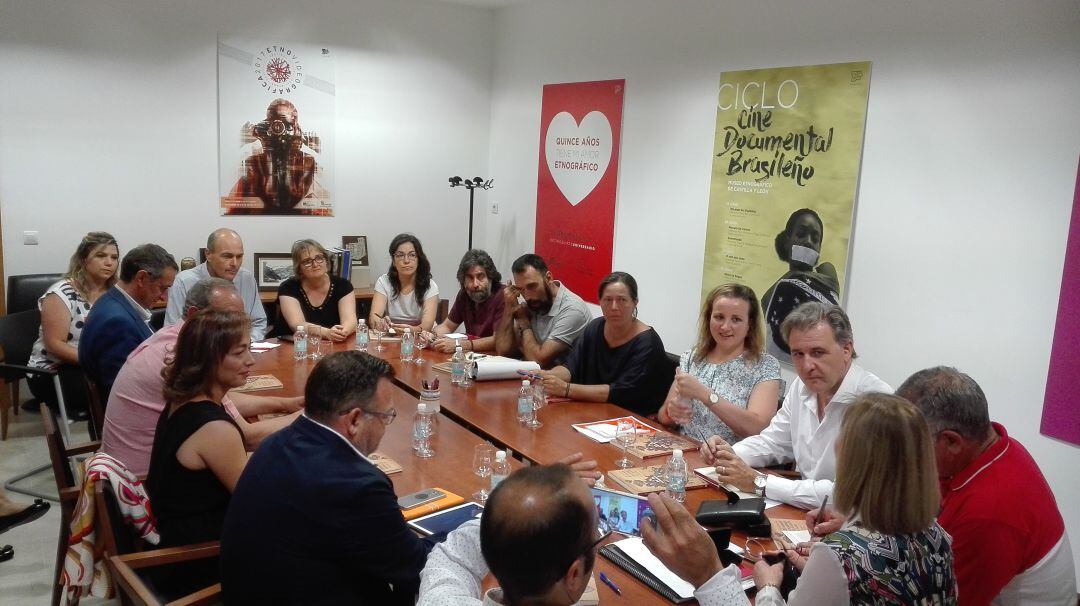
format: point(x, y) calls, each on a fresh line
point(457, 366)
point(408, 345)
point(423, 428)
point(300, 343)
point(361, 336)
point(499, 469)
point(676, 474)
point(525, 402)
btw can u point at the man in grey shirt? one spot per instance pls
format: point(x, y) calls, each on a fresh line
point(224, 256)
point(545, 326)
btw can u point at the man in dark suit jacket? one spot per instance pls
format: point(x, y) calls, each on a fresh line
point(312, 520)
point(118, 321)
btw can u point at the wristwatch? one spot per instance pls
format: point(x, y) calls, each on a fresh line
point(713, 398)
point(759, 484)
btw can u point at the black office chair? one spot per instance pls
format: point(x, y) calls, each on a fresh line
point(157, 319)
point(18, 332)
point(23, 293)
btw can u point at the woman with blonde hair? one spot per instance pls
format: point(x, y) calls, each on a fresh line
point(323, 303)
point(64, 307)
point(726, 385)
point(890, 549)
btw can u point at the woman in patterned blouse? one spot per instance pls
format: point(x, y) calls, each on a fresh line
point(889, 549)
point(64, 307)
point(726, 385)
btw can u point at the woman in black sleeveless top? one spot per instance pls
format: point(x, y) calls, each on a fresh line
point(198, 449)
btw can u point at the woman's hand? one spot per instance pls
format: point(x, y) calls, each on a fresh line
point(553, 384)
point(336, 333)
point(768, 574)
point(690, 387)
point(831, 521)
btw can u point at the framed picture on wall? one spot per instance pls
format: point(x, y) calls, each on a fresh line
point(271, 269)
point(357, 247)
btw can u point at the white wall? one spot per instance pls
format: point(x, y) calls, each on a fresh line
point(969, 164)
point(108, 120)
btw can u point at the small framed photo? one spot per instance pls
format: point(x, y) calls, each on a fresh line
point(357, 247)
point(271, 269)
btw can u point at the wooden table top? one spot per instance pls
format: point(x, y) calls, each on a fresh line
point(488, 411)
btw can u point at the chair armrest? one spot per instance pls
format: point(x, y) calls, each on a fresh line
point(124, 569)
point(18, 371)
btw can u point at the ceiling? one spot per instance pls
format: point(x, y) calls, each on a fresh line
point(487, 3)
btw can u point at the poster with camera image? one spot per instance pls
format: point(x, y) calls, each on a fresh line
point(275, 127)
point(786, 160)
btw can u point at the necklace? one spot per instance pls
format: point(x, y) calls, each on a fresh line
point(329, 293)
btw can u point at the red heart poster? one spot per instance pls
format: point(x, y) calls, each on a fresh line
point(580, 128)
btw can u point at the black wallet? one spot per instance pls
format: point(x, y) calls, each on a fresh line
point(743, 514)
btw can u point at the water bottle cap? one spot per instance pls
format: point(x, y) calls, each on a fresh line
point(301, 328)
point(457, 349)
point(500, 455)
point(677, 454)
point(408, 330)
point(421, 407)
point(524, 382)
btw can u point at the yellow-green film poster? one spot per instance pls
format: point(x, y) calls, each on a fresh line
point(785, 171)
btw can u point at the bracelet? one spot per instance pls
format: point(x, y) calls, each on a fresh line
point(567, 395)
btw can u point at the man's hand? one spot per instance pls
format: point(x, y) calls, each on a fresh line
point(732, 470)
point(680, 542)
point(768, 574)
point(831, 521)
point(586, 470)
point(712, 447)
point(444, 345)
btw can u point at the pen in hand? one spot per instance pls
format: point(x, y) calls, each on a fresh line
point(820, 515)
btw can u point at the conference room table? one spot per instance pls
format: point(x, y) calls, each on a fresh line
point(487, 411)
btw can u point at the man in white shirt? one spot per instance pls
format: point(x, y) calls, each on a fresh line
point(805, 428)
point(224, 259)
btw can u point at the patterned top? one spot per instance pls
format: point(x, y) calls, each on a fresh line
point(78, 307)
point(896, 569)
point(732, 380)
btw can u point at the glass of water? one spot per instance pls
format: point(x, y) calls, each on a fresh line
point(625, 436)
point(483, 455)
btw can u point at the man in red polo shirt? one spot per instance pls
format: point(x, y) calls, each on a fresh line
point(1009, 541)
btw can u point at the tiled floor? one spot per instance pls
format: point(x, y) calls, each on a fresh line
point(26, 580)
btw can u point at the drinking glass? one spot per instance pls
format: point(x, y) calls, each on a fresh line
point(483, 455)
point(378, 337)
point(470, 370)
point(420, 343)
point(539, 398)
point(625, 436)
point(314, 346)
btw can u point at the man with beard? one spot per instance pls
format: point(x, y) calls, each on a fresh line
point(548, 321)
point(478, 305)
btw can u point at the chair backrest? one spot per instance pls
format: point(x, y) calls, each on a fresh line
point(157, 319)
point(18, 331)
point(444, 308)
point(116, 535)
point(24, 291)
point(96, 406)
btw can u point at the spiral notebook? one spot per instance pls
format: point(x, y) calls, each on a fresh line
point(632, 556)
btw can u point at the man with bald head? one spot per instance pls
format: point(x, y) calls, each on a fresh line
point(136, 400)
point(224, 259)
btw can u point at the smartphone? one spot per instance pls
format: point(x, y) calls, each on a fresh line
point(622, 511)
point(521, 299)
point(419, 498)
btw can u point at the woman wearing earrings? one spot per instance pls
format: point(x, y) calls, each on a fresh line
point(322, 302)
point(618, 358)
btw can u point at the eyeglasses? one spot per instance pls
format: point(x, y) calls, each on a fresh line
point(402, 256)
point(386, 417)
point(312, 262)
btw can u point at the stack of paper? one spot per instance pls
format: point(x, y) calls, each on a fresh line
point(604, 431)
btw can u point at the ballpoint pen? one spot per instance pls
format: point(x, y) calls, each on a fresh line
point(820, 515)
point(606, 581)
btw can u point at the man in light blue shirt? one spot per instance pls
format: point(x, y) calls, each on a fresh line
point(224, 257)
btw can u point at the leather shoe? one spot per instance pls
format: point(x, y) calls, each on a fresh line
point(6, 553)
point(37, 509)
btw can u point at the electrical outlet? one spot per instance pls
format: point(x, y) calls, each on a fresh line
point(30, 238)
point(494, 207)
